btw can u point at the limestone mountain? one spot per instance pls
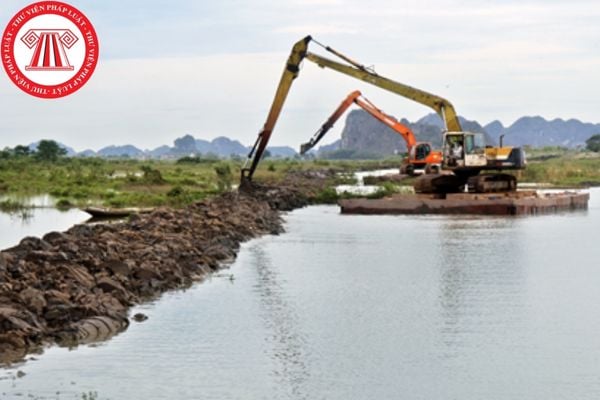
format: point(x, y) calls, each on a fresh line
point(364, 134)
point(539, 132)
point(187, 145)
point(365, 137)
point(120, 151)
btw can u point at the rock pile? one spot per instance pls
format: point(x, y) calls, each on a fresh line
point(77, 286)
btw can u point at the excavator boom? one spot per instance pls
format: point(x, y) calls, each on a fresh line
point(348, 101)
point(290, 72)
point(356, 70)
point(357, 98)
point(443, 107)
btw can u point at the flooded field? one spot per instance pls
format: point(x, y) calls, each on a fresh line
point(355, 307)
point(38, 220)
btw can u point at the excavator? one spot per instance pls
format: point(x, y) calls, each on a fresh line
point(420, 154)
point(465, 155)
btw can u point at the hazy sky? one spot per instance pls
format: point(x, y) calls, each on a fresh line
point(210, 68)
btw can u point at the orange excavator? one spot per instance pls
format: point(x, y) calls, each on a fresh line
point(420, 154)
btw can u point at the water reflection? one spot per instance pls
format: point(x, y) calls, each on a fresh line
point(286, 343)
point(39, 201)
point(36, 222)
point(361, 307)
point(481, 281)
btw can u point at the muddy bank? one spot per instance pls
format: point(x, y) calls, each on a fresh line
point(377, 180)
point(77, 286)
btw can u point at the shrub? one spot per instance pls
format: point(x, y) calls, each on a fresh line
point(224, 177)
point(64, 204)
point(327, 196)
point(151, 175)
point(593, 143)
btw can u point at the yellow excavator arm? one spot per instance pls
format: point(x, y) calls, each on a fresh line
point(443, 107)
point(290, 72)
point(356, 70)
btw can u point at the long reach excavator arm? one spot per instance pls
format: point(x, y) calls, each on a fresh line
point(352, 68)
point(357, 98)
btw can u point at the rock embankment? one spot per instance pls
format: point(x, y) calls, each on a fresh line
point(77, 286)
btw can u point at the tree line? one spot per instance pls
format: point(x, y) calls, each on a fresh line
point(47, 150)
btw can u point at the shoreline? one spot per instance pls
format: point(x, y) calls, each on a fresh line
point(77, 287)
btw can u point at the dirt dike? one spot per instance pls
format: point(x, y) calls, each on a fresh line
point(77, 286)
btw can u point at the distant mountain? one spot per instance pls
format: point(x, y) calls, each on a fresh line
point(363, 133)
point(494, 129)
point(225, 147)
point(187, 145)
point(434, 120)
point(328, 148)
point(281, 151)
point(121, 151)
point(539, 132)
point(87, 153)
point(159, 152)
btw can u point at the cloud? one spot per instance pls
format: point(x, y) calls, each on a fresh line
point(313, 3)
point(317, 29)
point(211, 68)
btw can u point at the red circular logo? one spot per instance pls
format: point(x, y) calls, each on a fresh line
point(49, 49)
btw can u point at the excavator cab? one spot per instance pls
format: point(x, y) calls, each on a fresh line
point(464, 150)
point(420, 151)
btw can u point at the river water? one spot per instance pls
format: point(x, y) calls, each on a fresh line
point(363, 307)
point(36, 221)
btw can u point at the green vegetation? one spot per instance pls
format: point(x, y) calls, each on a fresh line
point(11, 206)
point(569, 170)
point(593, 143)
point(49, 150)
point(63, 204)
point(115, 183)
point(136, 183)
point(385, 189)
point(327, 196)
point(224, 176)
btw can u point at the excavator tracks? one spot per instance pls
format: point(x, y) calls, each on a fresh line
point(450, 183)
point(439, 183)
point(492, 183)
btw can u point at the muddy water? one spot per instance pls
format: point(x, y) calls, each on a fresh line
point(364, 307)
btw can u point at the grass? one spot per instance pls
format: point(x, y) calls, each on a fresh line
point(135, 183)
point(116, 183)
point(569, 170)
point(12, 206)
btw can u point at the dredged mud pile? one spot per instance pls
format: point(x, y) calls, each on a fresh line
point(77, 286)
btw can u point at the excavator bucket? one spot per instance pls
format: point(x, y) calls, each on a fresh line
point(305, 148)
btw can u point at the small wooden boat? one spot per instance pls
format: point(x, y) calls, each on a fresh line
point(103, 212)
